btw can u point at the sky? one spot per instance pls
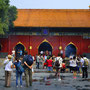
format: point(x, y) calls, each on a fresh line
point(51, 4)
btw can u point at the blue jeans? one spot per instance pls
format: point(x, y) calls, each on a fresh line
point(49, 68)
point(17, 75)
point(38, 65)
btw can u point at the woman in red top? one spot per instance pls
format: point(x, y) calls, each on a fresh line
point(49, 64)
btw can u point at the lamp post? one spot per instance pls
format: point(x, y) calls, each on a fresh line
point(61, 51)
point(30, 47)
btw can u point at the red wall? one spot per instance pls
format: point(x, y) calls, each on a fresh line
point(14, 40)
point(4, 44)
point(55, 41)
point(35, 41)
point(86, 45)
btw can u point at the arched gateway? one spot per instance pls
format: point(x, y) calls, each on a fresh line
point(19, 47)
point(70, 50)
point(45, 46)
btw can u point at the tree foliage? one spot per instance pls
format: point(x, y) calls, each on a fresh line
point(7, 16)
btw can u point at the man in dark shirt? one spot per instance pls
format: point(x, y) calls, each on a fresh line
point(28, 70)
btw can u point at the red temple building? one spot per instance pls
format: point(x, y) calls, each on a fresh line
point(51, 30)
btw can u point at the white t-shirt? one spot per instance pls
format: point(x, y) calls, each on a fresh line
point(60, 60)
point(73, 63)
point(13, 52)
point(82, 61)
point(33, 57)
point(86, 58)
point(38, 58)
point(8, 65)
point(61, 51)
point(41, 52)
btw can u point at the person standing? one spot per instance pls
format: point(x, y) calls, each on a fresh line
point(17, 64)
point(85, 63)
point(8, 69)
point(49, 63)
point(21, 52)
point(38, 60)
point(61, 52)
point(13, 52)
point(44, 61)
point(73, 66)
point(80, 58)
point(27, 70)
point(41, 60)
point(58, 66)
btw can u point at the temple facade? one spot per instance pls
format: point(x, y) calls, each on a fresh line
point(64, 31)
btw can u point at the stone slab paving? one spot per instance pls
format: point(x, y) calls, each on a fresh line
point(42, 80)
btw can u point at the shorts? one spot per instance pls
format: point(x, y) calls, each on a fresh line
point(73, 68)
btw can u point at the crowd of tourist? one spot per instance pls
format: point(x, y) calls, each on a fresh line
point(75, 64)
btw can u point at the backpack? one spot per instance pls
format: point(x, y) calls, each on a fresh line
point(86, 63)
point(20, 68)
point(29, 60)
point(57, 64)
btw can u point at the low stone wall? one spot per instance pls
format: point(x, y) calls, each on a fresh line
point(3, 55)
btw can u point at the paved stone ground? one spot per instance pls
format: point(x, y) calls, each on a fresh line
point(42, 80)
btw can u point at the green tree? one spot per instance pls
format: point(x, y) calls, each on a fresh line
point(7, 16)
point(1, 28)
point(12, 13)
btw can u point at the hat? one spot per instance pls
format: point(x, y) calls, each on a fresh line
point(9, 56)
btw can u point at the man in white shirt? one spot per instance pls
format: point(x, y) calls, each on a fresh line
point(8, 69)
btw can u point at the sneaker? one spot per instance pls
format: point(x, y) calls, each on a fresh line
point(80, 75)
point(27, 85)
point(17, 86)
point(30, 84)
point(74, 77)
point(59, 79)
point(21, 86)
point(7, 86)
